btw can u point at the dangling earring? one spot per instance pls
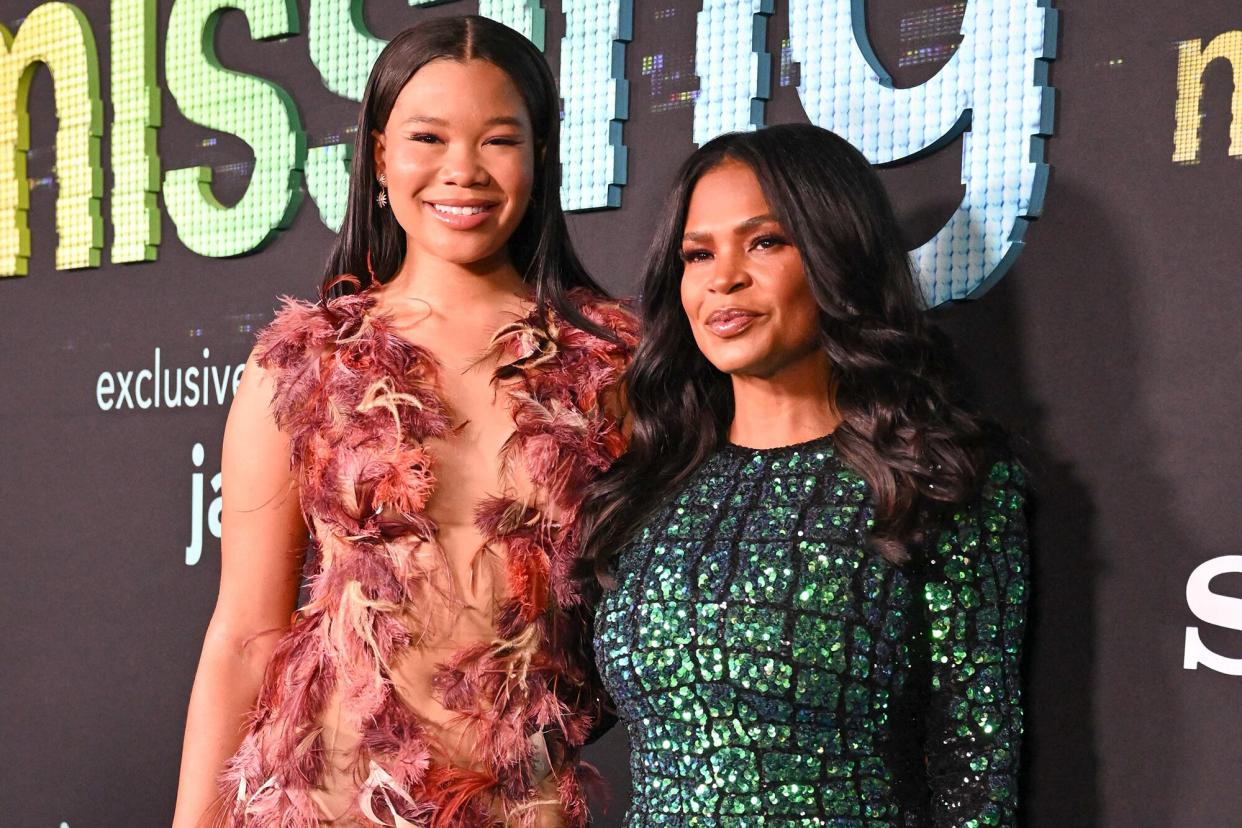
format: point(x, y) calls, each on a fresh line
point(382, 198)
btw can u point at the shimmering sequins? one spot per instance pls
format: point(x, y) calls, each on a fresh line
point(773, 671)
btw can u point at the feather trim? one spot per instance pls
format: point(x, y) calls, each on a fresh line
point(358, 402)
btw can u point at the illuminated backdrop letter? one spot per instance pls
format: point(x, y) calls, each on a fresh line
point(1192, 62)
point(255, 110)
point(995, 86)
point(135, 123)
point(59, 36)
point(525, 16)
point(343, 50)
point(735, 73)
point(341, 46)
point(597, 101)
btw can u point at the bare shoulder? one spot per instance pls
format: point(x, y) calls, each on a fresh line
point(251, 433)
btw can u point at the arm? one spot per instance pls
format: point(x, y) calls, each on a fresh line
point(975, 600)
point(262, 543)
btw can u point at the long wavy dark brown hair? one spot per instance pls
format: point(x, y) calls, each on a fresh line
point(371, 243)
point(904, 430)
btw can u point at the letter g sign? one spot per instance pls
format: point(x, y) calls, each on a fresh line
point(995, 86)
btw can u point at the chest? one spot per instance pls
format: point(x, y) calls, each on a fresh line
point(761, 593)
point(401, 433)
point(478, 456)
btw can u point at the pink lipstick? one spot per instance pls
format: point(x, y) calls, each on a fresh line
point(730, 322)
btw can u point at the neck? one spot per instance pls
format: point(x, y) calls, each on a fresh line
point(792, 406)
point(460, 288)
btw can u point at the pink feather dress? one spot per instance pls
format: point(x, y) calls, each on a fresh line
point(412, 689)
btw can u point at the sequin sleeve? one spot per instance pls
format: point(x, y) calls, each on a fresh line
point(975, 594)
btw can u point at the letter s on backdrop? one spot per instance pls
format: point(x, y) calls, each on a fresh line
point(1212, 608)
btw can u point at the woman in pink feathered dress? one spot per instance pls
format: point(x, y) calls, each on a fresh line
point(431, 423)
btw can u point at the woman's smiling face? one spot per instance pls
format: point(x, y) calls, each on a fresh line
point(458, 155)
point(743, 287)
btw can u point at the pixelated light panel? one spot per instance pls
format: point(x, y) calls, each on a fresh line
point(735, 73)
point(1192, 62)
point(58, 36)
point(994, 88)
point(255, 110)
point(596, 100)
point(135, 121)
point(993, 92)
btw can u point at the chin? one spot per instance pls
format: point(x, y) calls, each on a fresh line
point(732, 366)
point(737, 358)
point(466, 254)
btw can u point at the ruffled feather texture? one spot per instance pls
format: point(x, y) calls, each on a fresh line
point(358, 402)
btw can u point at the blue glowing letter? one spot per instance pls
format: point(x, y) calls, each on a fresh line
point(995, 86)
point(735, 73)
point(597, 101)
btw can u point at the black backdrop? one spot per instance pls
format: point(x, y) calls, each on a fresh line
point(1112, 346)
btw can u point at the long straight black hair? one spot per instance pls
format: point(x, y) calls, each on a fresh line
point(371, 244)
point(904, 428)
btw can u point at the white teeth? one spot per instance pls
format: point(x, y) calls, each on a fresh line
point(457, 211)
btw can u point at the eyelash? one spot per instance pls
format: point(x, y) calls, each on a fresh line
point(691, 256)
point(430, 138)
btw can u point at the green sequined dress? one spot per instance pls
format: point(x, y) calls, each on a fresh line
point(772, 670)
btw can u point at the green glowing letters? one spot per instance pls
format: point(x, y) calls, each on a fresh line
point(57, 35)
point(993, 94)
point(255, 110)
point(135, 125)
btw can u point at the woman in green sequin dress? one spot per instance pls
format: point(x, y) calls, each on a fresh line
point(815, 554)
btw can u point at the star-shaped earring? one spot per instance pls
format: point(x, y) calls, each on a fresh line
point(382, 198)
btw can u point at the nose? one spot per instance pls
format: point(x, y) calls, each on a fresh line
point(728, 271)
point(461, 167)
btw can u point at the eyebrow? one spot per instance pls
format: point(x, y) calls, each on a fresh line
point(499, 120)
point(743, 227)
